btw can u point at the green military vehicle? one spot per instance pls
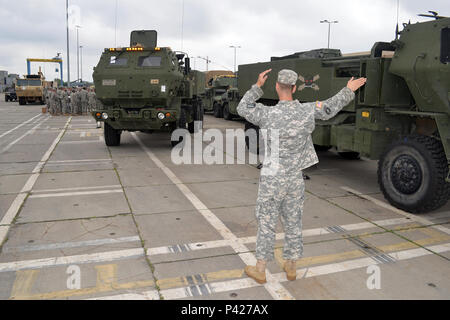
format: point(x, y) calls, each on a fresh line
point(146, 88)
point(401, 117)
point(218, 86)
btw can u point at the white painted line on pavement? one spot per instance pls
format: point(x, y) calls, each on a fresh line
point(206, 289)
point(276, 290)
point(77, 244)
point(76, 189)
point(279, 236)
point(81, 160)
point(148, 295)
point(17, 127)
point(80, 193)
point(385, 205)
point(18, 202)
point(24, 135)
point(80, 142)
point(77, 259)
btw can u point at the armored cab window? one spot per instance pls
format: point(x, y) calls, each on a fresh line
point(114, 61)
point(149, 62)
point(445, 45)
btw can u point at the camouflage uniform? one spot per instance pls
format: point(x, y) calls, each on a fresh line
point(78, 102)
point(47, 99)
point(53, 102)
point(65, 102)
point(59, 94)
point(73, 102)
point(91, 101)
point(84, 100)
point(283, 193)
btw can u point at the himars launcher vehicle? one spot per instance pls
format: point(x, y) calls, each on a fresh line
point(146, 88)
point(401, 117)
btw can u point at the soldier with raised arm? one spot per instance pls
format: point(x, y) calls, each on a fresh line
point(281, 191)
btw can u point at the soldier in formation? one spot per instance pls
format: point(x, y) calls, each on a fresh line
point(67, 101)
point(281, 186)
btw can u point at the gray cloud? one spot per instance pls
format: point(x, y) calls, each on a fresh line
point(263, 28)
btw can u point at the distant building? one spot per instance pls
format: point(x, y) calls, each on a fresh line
point(6, 80)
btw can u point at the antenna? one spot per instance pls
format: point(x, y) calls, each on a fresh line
point(433, 14)
point(398, 12)
point(182, 22)
point(115, 25)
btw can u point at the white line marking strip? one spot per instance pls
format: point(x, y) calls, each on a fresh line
point(83, 258)
point(83, 160)
point(17, 203)
point(401, 212)
point(76, 189)
point(276, 290)
point(81, 193)
point(20, 125)
point(239, 284)
point(77, 244)
point(167, 250)
point(24, 135)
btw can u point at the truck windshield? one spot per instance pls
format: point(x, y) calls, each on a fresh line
point(24, 82)
point(445, 45)
point(149, 62)
point(114, 61)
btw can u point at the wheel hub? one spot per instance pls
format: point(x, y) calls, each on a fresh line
point(406, 174)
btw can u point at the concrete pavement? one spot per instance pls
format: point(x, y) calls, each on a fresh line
point(130, 224)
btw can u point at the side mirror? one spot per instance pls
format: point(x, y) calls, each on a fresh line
point(187, 65)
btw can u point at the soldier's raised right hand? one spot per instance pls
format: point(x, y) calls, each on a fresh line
point(356, 84)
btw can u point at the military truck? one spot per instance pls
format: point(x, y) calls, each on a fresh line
point(30, 88)
point(401, 117)
point(146, 88)
point(230, 100)
point(213, 96)
point(10, 94)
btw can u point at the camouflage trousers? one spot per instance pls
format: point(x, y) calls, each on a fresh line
point(280, 196)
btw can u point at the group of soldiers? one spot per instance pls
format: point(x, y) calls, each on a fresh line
point(70, 101)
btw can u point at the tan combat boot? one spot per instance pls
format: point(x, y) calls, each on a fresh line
point(291, 270)
point(256, 275)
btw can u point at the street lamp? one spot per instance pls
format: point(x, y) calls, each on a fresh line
point(78, 54)
point(68, 56)
point(207, 61)
point(235, 48)
point(81, 63)
point(329, 29)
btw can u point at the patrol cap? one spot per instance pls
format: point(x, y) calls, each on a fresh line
point(288, 77)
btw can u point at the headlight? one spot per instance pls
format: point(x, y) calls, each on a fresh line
point(104, 115)
point(161, 116)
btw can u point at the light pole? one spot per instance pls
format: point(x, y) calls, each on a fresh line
point(68, 56)
point(207, 61)
point(329, 29)
point(81, 63)
point(235, 48)
point(78, 54)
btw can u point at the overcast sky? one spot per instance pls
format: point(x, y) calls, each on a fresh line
point(263, 28)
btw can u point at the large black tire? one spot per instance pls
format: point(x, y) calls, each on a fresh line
point(198, 116)
point(22, 101)
point(226, 112)
point(218, 111)
point(322, 148)
point(181, 124)
point(112, 136)
point(6, 98)
point(350, 155)
point(412, 173)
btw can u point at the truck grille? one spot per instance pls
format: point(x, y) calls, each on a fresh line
point(130, 94)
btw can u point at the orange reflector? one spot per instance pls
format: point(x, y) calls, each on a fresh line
point(98, 114)
point(168, 114)
point(366, 114)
